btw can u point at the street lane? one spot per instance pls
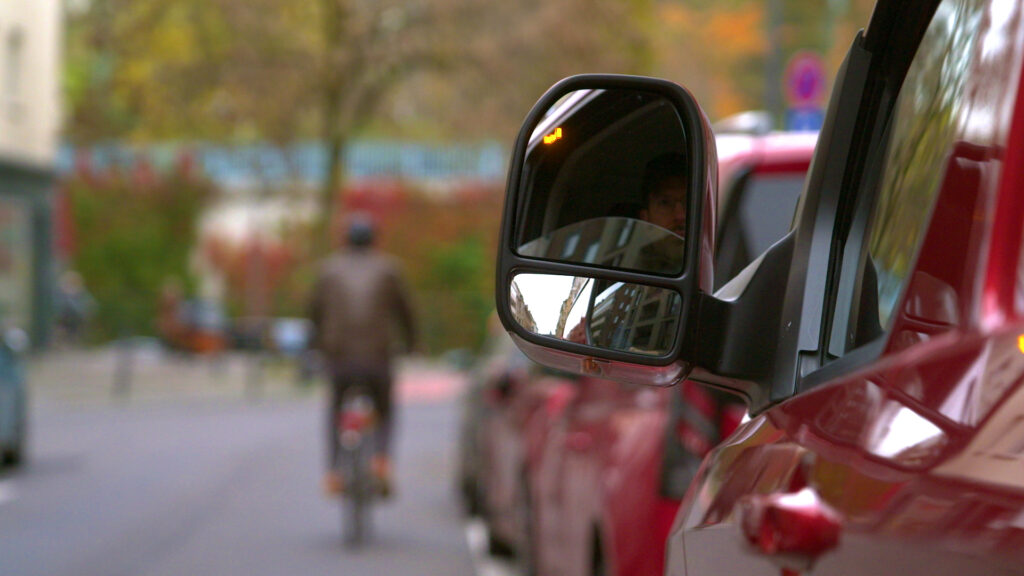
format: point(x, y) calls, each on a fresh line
point(221, 486)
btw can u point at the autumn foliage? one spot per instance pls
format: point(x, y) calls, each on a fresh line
point(445, 242)
point(133, 232)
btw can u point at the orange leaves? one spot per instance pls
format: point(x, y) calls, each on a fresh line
point(712, 50)
point(738, 33)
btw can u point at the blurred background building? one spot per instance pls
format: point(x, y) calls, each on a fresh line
point(29, 124)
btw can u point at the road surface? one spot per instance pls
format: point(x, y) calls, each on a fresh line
point(191, 482)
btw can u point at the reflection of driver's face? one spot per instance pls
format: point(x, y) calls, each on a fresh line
point(666, 206)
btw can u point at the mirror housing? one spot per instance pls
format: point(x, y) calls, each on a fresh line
point(631, 117)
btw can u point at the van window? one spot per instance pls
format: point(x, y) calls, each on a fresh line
point(883, 243)
point(762, 215)
point(766, 210)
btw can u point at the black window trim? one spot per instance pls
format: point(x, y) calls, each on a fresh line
point(894, 43)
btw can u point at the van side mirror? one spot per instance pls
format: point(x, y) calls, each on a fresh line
point(607, 234)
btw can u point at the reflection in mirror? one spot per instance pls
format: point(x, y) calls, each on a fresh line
point(612, 242)
point(605, 182)
point(609, 315)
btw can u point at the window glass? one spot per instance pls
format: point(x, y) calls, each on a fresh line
point(924, 125)
point(925, 121)
point(766, 211)
point(765, 204)
point(611, 167)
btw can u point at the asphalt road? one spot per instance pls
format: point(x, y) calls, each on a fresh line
point(222, 486)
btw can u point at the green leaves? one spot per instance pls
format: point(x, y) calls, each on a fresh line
point(132, 237)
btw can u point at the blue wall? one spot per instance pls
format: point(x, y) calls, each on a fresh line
point(243, 166)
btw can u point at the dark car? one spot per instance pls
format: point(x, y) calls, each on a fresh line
point(197, 326)
point(13, 397)
point(878, 346)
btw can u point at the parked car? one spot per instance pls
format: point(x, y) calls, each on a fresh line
point(290, 336)
point(13, 397)
point(877, 346)
point(483, 378)
point(617, 461)
point(196, 326)
point(506, 410)
point(249, 332)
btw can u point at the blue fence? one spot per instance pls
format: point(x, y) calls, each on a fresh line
point(243, 166)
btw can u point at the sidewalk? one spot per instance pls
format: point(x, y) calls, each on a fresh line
point(148, 374)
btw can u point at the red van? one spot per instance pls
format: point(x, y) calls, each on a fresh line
point(878, 346)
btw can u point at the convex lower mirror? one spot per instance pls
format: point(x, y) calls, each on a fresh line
point(605, 178)
point(609, 315)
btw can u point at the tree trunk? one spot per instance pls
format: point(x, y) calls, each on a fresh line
point(334, 144)
point(334, 14)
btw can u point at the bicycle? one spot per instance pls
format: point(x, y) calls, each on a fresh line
point(356, 428)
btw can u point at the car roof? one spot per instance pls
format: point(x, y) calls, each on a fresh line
point(774, 145)
point(781, 151)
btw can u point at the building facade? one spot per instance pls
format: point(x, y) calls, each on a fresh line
point(30, 40)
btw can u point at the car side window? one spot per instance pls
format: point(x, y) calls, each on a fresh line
point(759, 215)
point(888, 226)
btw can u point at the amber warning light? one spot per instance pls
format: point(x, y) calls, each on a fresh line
point(1020, 343)
point(551, 138)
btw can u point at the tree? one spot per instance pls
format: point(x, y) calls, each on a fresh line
point(722, 49)
point(281, 71)
point(371, 46)
point(134, 235)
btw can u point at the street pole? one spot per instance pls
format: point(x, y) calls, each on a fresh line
point(254, 286)
point(836, 10)
point(124, 368)
point(773, 61)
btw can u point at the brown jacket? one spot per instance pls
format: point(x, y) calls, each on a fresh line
point(358, 300)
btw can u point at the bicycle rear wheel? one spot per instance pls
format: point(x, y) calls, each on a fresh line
point(355, 513)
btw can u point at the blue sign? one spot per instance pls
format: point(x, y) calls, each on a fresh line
point(804, 119)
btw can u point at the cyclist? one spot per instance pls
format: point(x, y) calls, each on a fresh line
point(358, 298)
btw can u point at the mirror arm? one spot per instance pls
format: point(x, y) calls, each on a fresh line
point(737, 329)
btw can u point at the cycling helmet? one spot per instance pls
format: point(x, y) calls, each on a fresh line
point(360, 230)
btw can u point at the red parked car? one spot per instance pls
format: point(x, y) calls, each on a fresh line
point(506, 413)
point(616, 462)
point(879, 346)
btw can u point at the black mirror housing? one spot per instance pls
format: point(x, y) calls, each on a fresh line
point(582, 198)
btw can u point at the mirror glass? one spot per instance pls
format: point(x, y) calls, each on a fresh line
point(612, 242)
point(610, 315)
point(605, 182)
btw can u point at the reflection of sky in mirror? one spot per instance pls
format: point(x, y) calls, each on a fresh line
point(544, 295)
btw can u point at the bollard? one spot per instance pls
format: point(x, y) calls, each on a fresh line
point(254, 376)
point(124, 369)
